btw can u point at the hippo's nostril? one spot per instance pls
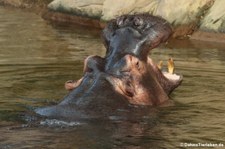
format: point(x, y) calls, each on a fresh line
point(137, 64)
point(129, 93)
point(129, 90)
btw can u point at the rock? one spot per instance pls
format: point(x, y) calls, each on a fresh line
point(214, 20)
point(14, 3)
point(86, 8)
point(184, 15)
point(36, 5)
point(119, 7)
point(209, 36)
point(179, 12)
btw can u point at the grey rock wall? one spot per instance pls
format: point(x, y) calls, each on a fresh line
point(86, 8)
point(209, 15)
point(113, 8)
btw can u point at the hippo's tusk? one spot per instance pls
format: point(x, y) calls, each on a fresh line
point(160, 65)
point(170, 66)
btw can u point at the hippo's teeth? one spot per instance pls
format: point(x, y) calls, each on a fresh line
point(170, 66)
point(70, 81)
point(160, 65)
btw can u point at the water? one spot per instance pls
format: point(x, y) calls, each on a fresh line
point(36, 58)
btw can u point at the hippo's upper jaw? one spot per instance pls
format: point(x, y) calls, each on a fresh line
point(126, 75)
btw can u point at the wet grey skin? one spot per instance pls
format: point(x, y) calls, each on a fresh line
point(125, 78)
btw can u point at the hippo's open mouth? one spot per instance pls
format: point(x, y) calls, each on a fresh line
point(126, 75)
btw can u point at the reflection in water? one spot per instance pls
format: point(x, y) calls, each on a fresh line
point(36, 58)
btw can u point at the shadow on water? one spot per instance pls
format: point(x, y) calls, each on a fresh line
point(36, 58)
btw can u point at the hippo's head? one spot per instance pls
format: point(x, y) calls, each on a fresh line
point(135, 35)
point(125, 76)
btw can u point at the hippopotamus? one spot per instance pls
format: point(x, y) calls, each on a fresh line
point(125, 77)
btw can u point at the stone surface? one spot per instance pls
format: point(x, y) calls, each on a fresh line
point(180, 12)
point(15, 3)
point(90, 8)
point(209, 36)
point(32, 4)
point(214, 20)
point(118, 7)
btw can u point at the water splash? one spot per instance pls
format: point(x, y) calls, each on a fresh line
point(59, 123)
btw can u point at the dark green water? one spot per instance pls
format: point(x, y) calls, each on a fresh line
point(36, 58)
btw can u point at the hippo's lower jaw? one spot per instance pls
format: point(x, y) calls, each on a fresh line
point(138, 80)
point(125, 76)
